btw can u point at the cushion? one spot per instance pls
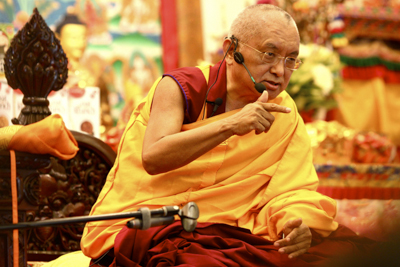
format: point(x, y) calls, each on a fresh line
point(75, 259)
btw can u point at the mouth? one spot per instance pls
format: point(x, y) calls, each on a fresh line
point(272, 85)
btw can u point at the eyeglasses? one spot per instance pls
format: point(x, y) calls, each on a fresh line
point(290, 63)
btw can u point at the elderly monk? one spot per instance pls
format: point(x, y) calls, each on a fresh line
point(246, 163)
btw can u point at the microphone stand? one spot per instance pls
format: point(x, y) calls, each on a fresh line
point(145, 218)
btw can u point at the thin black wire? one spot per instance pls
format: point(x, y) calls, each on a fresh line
point(205, 102)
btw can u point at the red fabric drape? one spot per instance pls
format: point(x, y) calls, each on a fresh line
point(368, 73)
point(169, 35)
point(223, 245)
point(360, 192)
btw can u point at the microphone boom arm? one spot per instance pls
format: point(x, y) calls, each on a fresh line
point(251, 76)
point(166, 211)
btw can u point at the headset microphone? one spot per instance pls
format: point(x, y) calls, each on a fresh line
point(240, 60)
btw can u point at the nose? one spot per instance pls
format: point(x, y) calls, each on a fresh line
point(279, 67)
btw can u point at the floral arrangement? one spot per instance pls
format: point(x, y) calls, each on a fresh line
point(312, 86)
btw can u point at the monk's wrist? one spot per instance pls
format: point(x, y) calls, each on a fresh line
point(226, 129)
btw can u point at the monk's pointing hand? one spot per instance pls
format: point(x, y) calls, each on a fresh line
point(256, 116)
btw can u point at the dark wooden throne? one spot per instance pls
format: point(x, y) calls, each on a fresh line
point(48, 187)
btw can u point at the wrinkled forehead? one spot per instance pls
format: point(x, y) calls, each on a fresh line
point(279, 35)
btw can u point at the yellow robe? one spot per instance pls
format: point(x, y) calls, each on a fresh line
point(258, 182)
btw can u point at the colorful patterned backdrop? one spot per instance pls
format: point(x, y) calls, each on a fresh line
point(123, 51)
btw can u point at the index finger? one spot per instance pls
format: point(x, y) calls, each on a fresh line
point(276, 108)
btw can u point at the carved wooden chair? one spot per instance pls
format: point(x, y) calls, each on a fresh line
point(48, 187)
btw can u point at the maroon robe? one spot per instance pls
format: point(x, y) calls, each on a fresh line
point(223, 245)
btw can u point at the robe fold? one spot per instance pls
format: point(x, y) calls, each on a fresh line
point(255, 182)
point(223, 245)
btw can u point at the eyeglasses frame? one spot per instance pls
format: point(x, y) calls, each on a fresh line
point(279, 58)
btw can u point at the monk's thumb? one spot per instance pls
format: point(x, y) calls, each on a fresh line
point(264, 97)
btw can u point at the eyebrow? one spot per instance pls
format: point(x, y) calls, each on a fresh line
point(271, 45)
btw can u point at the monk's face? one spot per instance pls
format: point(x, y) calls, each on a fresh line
point(278, 37)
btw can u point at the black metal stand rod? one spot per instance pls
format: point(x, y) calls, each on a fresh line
point(165, 211)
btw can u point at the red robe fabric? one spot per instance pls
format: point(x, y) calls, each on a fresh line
point(224, 245)
point(194, 88)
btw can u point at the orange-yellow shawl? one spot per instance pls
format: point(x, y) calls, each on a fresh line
point(258, 182)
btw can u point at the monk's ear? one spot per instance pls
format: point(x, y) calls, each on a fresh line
point(227, 45)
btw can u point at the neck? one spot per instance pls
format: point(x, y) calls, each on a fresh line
point(236, 102)
point(237, 96)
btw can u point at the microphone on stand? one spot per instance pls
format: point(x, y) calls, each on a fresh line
point(144, 218)
point(189, 215)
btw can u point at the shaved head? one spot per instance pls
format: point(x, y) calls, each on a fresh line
point(252, 19)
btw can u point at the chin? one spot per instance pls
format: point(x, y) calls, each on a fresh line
point(273, 94)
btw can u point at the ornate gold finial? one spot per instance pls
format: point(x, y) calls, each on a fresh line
point(36, 64)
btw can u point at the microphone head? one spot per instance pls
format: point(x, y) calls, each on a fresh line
point(189, 215)
point(189, 225)
point(238, 57)
point(260, 87)
point(218, 101)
